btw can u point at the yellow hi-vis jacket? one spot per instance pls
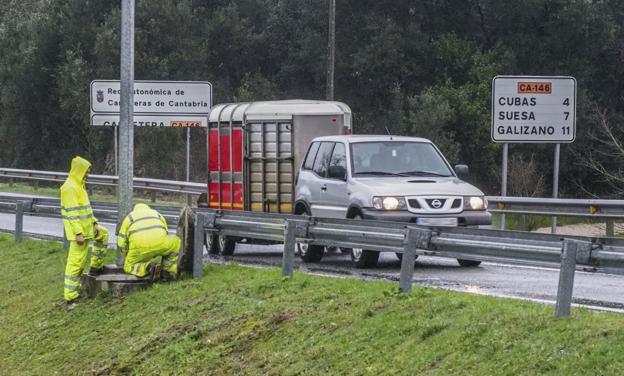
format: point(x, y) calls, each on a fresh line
point(76, 209)
point(143, 230)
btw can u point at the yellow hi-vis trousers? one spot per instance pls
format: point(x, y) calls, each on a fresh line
point(138, 259)
point(76, 260)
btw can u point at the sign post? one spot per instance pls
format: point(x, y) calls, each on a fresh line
point(533, 109)
point(126, 109)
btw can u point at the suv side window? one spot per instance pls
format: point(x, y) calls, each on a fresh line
point(322, 158)
point(309, 161)
point(339, 156)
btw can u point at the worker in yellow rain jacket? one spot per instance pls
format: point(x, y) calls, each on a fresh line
point(81, 228)
point(143, 238)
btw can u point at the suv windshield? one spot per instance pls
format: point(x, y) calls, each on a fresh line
point(397, 158)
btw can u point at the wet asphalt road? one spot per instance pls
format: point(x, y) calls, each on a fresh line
point(531, 283)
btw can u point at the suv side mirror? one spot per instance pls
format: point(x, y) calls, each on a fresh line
point(337, 172)
point(462, 171)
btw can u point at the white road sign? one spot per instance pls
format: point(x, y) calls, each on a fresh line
point(533, 109)
point(156, 120)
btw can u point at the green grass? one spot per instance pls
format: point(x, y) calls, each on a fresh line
point(237, 320)
point(99, 194)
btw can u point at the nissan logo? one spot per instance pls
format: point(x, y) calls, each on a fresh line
point(436, 204)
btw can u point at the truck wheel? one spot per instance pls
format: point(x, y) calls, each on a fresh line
point(400, 256)
point(310, 252)
point(226, 245)
point(211, 243)
point(364, 258)
point(468, 263)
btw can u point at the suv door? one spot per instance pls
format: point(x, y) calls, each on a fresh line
point(317, 184)
point(334, 186)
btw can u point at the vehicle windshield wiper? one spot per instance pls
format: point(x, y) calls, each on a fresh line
point(385, 173)
point(423, 173)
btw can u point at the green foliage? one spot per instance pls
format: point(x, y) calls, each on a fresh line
point(238, 320)
point(416, 68)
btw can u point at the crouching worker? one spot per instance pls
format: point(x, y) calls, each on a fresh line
point(144, 237)
point(81, 227)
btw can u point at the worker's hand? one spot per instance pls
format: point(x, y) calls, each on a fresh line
point(80, 239)
point(96, 227)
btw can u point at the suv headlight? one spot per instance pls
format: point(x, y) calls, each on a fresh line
point(389, 203)
point(475, 203)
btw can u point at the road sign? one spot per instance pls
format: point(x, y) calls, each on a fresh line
point(533, 109)
point(154, 120)
point(164, 97)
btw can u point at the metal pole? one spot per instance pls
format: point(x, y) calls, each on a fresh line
point(126, 125)
point(188, 162)
point(556, 184)
point(198, 246)
point(331, 47)
point(288, 258)
point(407, 262)
point(19, 220)
point(566, 278)
point(504, 181)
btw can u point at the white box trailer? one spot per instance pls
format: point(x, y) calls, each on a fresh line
point(255, 150)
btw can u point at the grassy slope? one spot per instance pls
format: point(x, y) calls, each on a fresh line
point(240, 320)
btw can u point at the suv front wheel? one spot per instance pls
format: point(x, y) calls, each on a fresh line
point(364, 258)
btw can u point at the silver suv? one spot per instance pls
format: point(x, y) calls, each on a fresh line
point(391, 178)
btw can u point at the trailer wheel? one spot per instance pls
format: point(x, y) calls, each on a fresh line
point(364, 258)
point(211, 243)
point(227, 245)
point(468, 263)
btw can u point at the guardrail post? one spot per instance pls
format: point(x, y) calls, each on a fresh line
point(198, 246)
point(288, 259)
point(19, 220)
point(610, 227)
point(407, 262)
point(566, 278)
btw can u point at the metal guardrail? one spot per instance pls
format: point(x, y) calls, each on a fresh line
point(594, 254)
point(108, 180)
point(607, 209)
point(557, 206)
point(51, 207)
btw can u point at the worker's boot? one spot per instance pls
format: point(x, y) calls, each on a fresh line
point(154, 271)
point(71, 304)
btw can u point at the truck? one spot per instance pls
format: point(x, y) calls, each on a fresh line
point(254, 150)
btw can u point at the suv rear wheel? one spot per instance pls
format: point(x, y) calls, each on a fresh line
point(310, 252)
point(364, 258)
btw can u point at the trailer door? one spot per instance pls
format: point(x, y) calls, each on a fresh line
point(270, 176)
point(225, 165)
